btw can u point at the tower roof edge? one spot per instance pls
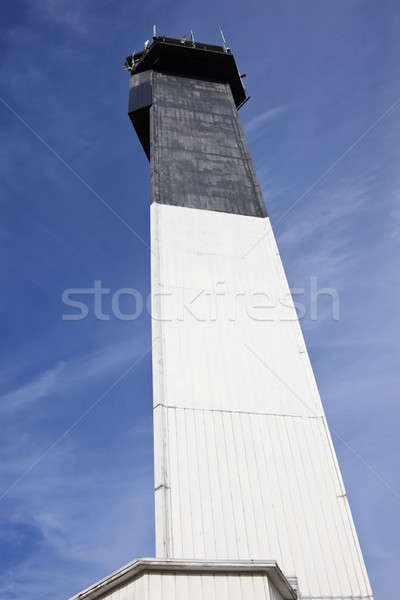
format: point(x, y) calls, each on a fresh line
point(190, 59)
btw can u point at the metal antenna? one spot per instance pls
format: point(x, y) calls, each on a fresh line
point(154, 31)
point(223, 38)
point(192, 37)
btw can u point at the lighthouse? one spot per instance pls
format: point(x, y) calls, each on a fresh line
point(249, 498)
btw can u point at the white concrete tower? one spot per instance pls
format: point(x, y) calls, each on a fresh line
point(246, 476)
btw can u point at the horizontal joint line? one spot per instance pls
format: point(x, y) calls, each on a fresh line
point(244, 412)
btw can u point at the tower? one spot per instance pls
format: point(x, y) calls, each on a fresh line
point(249, 499)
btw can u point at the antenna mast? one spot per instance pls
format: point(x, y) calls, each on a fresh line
point(223, 38)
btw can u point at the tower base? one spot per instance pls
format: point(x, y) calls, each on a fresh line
point(169, 579)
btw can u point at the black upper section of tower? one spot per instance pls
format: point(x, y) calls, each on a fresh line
point(190, 59)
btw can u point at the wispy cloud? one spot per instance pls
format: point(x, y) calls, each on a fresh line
point(40, 386)
point(262, 119)
point(332, 205)
point(59, 498)
point(55, 499)
point(67, 374)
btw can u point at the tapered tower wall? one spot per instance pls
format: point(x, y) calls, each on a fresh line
point(244, 463)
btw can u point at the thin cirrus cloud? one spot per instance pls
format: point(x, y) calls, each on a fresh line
point(262, 119)
point(66, 374)
point(49, 504)
point(41, 385)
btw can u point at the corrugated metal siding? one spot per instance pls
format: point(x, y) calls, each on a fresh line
point(251, 486)
point(175, 586)
point(245, 466)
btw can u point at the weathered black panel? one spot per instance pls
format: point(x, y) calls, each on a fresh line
point(140, 99)
point(199, 154)
point(140, 96)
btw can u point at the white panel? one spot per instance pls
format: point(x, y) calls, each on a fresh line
point(261, 587)
point(155, 586)
point(176, 586)
point(242, 448)
point(185, 273)
point(181, 587)
point(126, 593)
point(168, 585)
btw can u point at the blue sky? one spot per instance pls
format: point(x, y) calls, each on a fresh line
point(321, 77)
